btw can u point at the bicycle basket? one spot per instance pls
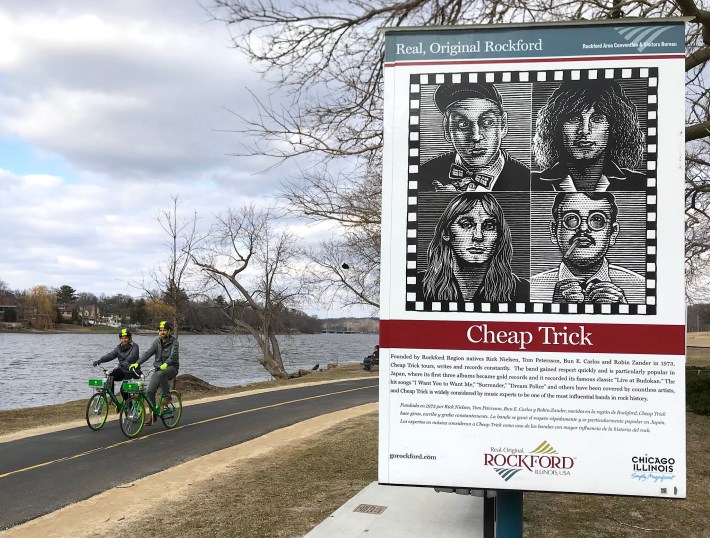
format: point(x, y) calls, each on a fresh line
point(96, 382)
point(133, 386)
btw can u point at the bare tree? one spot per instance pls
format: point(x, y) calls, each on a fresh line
point(326, 59)
point(252, 262)
point(168, 284)
point(345, 269)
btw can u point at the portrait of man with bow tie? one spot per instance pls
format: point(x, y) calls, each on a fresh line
point(474, 123)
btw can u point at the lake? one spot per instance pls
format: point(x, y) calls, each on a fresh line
point(42, 369)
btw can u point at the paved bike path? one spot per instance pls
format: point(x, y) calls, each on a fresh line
point(43, 473)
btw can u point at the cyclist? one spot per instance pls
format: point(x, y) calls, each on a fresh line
point(166, 350)
point(127, 353)
point(371, 360)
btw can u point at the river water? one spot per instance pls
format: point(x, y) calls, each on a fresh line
point(42, 369)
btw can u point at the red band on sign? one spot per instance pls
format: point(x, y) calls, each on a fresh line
point(523, 336)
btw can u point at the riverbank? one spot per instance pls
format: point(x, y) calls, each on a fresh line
point(63, 328)
point(191, 388)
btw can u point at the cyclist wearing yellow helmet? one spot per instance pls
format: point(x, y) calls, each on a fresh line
point(127, 353)
point(166, 350)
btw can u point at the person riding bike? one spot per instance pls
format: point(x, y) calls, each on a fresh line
point(127, 353)
point(166, 350)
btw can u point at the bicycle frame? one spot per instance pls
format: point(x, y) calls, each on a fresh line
point(133, 415)
point(97, 408)
point(102, 388)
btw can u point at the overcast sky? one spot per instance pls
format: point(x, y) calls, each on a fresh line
point(106, 110)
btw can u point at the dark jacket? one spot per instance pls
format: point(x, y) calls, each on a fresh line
point(126, 356)
point(620, 179)
point(167, 351)
point(514, 176)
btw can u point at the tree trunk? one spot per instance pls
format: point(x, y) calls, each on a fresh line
point(272, 361)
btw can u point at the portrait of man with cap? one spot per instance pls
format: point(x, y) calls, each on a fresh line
point(475, 123)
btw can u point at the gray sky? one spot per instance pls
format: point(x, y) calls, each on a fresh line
point(106, 110)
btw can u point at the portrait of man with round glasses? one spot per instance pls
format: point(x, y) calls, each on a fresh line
point(584, 227)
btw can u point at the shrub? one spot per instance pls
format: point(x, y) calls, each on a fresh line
point(697, 391)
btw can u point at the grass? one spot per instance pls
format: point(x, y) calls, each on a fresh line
point(284, 494)
point(287, 493)
point(548, 515)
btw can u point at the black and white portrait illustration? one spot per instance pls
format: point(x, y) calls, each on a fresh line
point(583, 227)
point(488, 154)
point(588, 138)
point(470, 254)
point(472, 121)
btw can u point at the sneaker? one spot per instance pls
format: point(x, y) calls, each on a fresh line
point(166, 401)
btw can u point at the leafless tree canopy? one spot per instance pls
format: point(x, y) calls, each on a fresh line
point(325, 59)
point(252, 262)
point(168, 283)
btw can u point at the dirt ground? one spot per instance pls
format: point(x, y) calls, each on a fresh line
point(698, 339)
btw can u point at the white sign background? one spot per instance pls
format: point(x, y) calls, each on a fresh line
point(481, 409)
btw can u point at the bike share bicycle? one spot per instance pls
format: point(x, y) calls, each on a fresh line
point(132, 414)
point(98, 405)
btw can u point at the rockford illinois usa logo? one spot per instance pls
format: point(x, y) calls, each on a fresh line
point(542, 460)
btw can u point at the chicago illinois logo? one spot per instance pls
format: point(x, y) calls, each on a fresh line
point(542, 460)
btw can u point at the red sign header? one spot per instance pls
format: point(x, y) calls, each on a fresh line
point(525, 336)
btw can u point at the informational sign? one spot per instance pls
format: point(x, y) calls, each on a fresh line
point(532, 308)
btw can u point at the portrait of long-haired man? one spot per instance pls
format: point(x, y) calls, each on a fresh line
point(469, 256)
point(588, 138)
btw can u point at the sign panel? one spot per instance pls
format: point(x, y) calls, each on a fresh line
point(532, 309)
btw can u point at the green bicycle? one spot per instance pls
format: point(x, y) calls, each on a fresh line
point(132, 417)
point(98, 405)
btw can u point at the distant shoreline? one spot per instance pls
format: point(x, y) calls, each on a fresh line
point(8, 327)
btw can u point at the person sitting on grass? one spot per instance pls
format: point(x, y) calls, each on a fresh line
point(166, 349)
point(127, 353)
point(372, 360)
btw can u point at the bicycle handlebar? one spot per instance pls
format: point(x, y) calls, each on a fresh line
point(104, 369)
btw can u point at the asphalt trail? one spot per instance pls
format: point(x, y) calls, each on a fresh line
point(43, 473)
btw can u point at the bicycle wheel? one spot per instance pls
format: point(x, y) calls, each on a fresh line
point(171, 415)
point(132, 417)
point(97, 411)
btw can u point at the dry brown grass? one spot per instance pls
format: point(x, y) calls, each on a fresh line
point(699, 351)
point(287, 493)
point(284, 494)
point(551, 515)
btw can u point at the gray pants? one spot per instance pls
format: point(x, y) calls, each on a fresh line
point(160, 377)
